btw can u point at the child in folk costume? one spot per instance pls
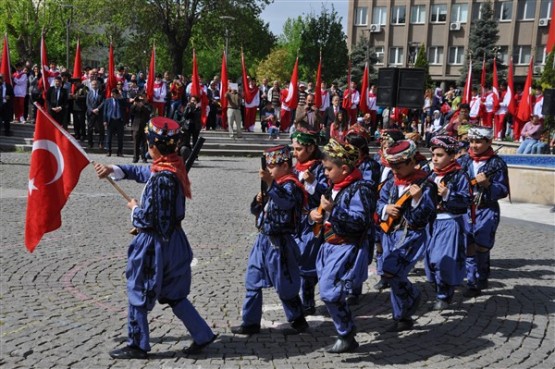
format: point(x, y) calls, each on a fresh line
point(310, 172)
point(388, 137)
point(404, 241)
point(273, 261)
point(490, 181)
point(445, 253)
point(359, 137)
point(159, 257)
point(347, 217)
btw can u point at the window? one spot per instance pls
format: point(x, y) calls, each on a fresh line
point(435, 55)
point(361, 16)
point(526, 9)
point(503, 54)
point(398, 15)
point(545, 9)
point(413, 52)
point(396, 55)
point(541, 55)
point(379, 15)
point(504, 10)
point(459, 13)
point(379, 54)
point(522, 54)
point(439, 13)
point(418, 14)
point(456, 55)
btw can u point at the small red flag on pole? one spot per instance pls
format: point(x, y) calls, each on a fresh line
point(77, 71)
point(467, 92)
point(45, 70)
point(223, 89)
point(347, 95)
point(363, 106)
point(509, 95)
point(551, 34)
point(111, 82)
point(525, 106)
point(318, 88)
point(292, 98)
point(5, 67)
point(56, 164)
point(151, 75)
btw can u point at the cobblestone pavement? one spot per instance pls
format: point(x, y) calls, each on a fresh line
point(64, 306)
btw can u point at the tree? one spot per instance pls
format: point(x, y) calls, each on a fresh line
point(482, 42)
point(547, 80)
point(422, 62)
point(276, 66)
point(323, 33)
point(361, 53)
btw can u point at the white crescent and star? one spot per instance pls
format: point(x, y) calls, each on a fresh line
point(52, 148)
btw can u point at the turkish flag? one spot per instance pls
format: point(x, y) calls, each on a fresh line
point(525, 107)
point(247, 93)
point(43, 83)
point(467, 91)
point(292, 98)
point(77, 70)
point(151, 74)
point(198, 91)
point(223, 90)
point(509, 95)
point(111, 80)
point(495, 87)
point(347, 94)
point(318, 87)
point(363, 107)
point(56, 163)
point(5, 66)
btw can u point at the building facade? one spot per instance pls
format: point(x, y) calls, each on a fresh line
point(396, 28)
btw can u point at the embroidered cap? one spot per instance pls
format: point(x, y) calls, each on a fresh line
point(480, 132)
point(358, 136)
point(305, 137)
point(400, 151)
point(391, 135)
point(448, 143)
point(162, 129)
point(278, 154)
point(344, 151)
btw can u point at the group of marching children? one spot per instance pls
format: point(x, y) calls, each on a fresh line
point(321, 217)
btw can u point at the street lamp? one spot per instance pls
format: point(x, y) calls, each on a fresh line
point(226, 18)
point(68, 23)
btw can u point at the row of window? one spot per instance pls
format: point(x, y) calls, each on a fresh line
point(521, 55)
point(459, 13)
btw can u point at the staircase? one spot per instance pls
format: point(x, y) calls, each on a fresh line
point(218, 143)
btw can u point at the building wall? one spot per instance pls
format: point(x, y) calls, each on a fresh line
point(514, 33)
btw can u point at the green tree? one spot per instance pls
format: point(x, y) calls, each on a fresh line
point(547, 80)
point(361, 53)
point(276, 66)
point(291, 37)
point(482, 42)
point(422, 62)
point(324, 33)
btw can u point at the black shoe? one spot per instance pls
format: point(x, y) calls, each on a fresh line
point(135, 161)
point(483, 285)
point(344, 344)
point(129, 352)
point(309, 310)
point(120, 155)
point(415, 305)
point(145, 161)
point(352, 300)
point(246, 329)
point(300, 325)
point(109, 154)
point(401, 325)
point(195, 348)
point(472, 292)
point(381, 285)
point(440, 305)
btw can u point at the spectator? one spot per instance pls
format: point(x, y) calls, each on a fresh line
point(531, 132)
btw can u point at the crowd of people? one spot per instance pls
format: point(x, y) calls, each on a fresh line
point(91, 109)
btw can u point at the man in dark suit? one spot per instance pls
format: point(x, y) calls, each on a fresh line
point(331, 112)
point(6, 105)
point(114, 111)
point(95, 119)
point(56, 100)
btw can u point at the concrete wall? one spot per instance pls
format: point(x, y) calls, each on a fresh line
point(532, 185)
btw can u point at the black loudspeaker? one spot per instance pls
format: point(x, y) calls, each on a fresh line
point(411, 87)
point(548, 107)
point(387, 87)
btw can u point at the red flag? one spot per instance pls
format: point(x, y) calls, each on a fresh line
point(525, 106)
point(292, 98)
point(197, 90)
point(247, 95)
point(77, 71)
point(318, 87)
point(45, 85)
point(56, 163)
point(483, 79)
point(551, 34)
point(495, 87)
point(111, 81)
point(509, 95)
point(363, 106)
point(467, 92)
point(151, 75)
point(223, 89)
point(5, 67)
point(347, 94)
